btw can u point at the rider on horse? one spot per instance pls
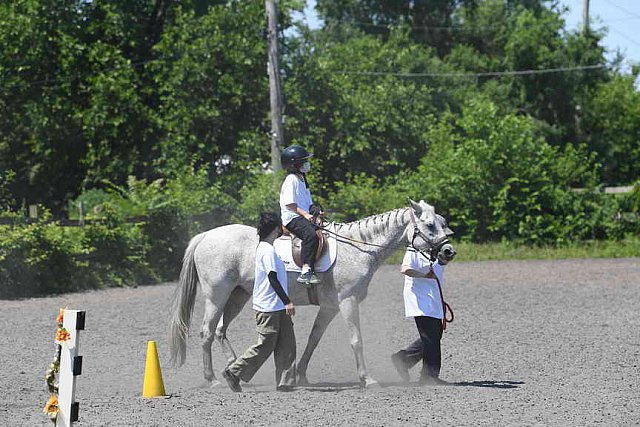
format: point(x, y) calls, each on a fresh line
point(295, 206)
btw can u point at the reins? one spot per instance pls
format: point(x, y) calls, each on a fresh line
point(362, 242)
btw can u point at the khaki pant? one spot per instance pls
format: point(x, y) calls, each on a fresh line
point(275, 335)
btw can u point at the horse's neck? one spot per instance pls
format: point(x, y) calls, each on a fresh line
point(386, 231)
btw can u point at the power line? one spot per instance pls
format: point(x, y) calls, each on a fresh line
point(437, 28)
point(460, 28)
point(629, 18)
point(627, 11)
point(483, 74)
point(625, 36)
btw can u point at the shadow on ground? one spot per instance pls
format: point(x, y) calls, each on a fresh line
point(489, 384)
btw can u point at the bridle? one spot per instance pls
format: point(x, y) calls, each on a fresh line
point(434, 248)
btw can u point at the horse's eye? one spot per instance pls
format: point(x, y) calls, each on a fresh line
point(430, 224)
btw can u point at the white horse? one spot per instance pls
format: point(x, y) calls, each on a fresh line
point(222, 261)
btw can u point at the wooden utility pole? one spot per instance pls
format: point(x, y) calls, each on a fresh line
point(585, 17)
point(275, 95)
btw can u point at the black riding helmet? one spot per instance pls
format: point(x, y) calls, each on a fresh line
point(294, 155)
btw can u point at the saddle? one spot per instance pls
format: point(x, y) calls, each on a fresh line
point(289, 248)
point(296, 247)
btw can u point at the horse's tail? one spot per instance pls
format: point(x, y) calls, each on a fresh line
point(182, 303)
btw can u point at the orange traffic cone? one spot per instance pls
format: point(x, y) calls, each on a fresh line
point(153, 384)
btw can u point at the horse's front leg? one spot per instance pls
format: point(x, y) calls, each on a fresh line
point(323, 318)
point(351, 313)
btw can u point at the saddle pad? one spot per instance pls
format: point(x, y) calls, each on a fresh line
point(282, 246)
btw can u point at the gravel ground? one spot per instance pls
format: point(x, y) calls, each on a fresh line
point(533, 343)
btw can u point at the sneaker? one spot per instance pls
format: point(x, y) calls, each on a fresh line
point(314, 279)
point(304, 278)
point(401, 367)
point(232, 380)
point(285, 388)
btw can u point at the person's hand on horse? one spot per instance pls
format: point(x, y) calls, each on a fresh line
point(291, 310)
point(430, 275)
point(316, 210)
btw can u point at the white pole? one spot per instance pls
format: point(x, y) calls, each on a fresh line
point(70, 367)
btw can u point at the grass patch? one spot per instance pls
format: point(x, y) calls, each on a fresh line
point(625, 248)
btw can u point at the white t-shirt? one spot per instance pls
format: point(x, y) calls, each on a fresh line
point(293, 190)
point(421, 295)
point(265, 298)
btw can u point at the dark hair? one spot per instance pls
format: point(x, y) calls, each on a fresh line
point(267, 223)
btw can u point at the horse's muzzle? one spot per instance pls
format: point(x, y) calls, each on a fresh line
point(447, 253)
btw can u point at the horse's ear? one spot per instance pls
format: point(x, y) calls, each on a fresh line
point(416, 207)
point(423, 203)
point(445, 227)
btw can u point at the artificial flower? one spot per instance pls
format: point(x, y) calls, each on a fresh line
point(51, 408)
point(62, 335)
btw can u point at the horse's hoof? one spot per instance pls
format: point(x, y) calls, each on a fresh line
point(369, 383)
point(302, 381)
point(214, 384)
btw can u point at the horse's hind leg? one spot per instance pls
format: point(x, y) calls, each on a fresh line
point(216, 296)
point(351, 313)
point(323, 319)
point(234, 306)
point(212, 314)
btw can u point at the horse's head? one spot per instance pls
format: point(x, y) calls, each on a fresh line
point(428, 232)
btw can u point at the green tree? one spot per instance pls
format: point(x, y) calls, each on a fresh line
point(359, 123)
point(611, 123)
point(495, 177)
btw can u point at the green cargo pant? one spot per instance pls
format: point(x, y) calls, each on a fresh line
point(275, 335)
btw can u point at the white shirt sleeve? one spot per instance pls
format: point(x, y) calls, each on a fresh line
point(269, 261)
point(288, 190)
point(408, 259)
point(415, 261)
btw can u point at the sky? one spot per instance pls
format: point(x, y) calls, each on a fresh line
point(621, 17)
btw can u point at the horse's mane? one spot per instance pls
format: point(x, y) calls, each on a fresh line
point(371, 224)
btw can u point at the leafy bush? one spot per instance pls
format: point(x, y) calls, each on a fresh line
point(44, 257)
point(361, 197)
point(39, 258)
point(494, 177)
point(117, 250)
point(158, 243)
point(261, 194)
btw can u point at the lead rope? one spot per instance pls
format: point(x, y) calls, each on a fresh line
point(445, 307)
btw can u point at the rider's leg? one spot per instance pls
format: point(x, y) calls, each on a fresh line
point(306, 231)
